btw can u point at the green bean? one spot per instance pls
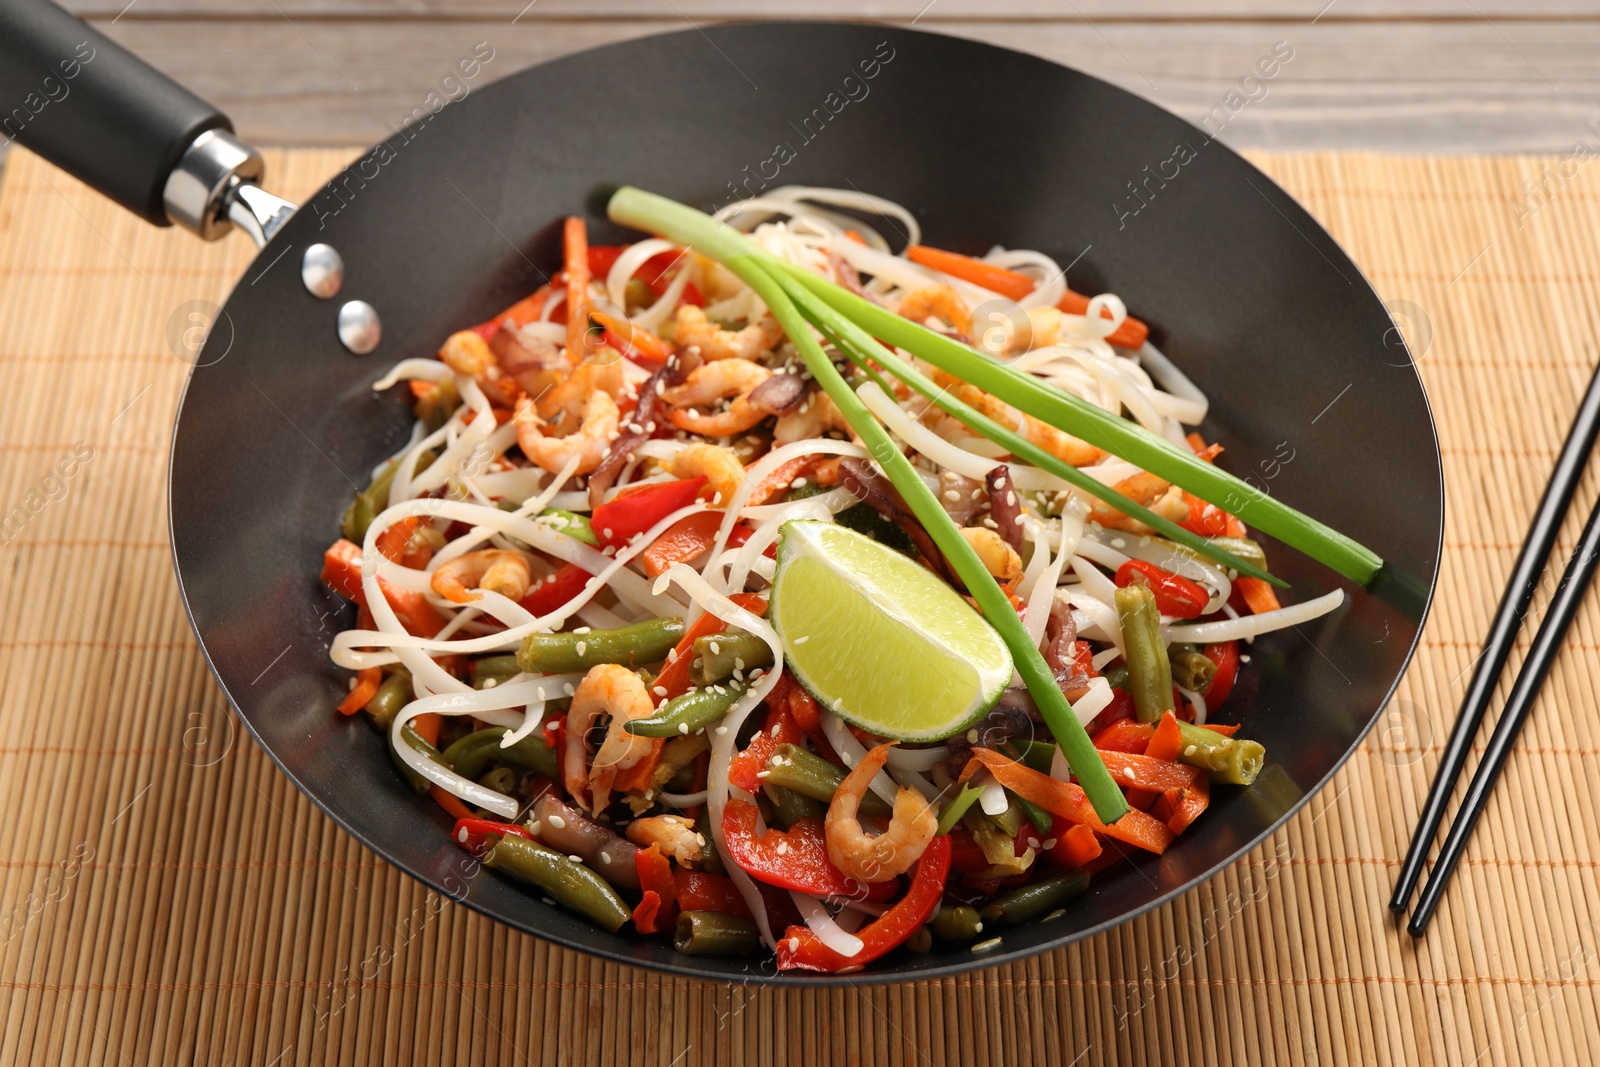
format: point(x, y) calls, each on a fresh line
point(371, 500)
point(717, 656)
point(435, 408)
point(959, 923)
point(1191, 668)
point(643, 642)
point(812, 776)
point(682, 780)
point(1242, 547)
point(1009, 821)
point(952, 812)
point(472, 754)
point(420, 783)
point(499, 668)
point(1229, 760)
point(501, 779)
point(689, 712)
point(1117, 677)
point(920, 941)
point(392, 695)
point(1149, 673)
point(1037, 816)
point(1035, 899)
point(714, 933)
point(572, 524)
point(677, 758)
point(1035, 755)
point(569, 883)
point(790, 807)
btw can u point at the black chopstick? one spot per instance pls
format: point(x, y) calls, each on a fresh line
point(1497, 646)
point(1546, 646)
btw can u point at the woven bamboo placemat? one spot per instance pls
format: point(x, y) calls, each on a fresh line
point(166, 896)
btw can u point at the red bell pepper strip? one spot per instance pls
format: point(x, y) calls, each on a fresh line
point(474, 834)
point(779, 729)
point(966, 855)
point(800, 949)
point(1225, 655)
point(699, 891)
point(1124, 735)
point(366, 687)
point(341, 570)
point(1167, 741)
point(1183, 806)
point(1120, 708)
point(674, 677)
point(575, 252)
point(778, 482)
point(657, 910)
point(1175, 595)
point(1069, 801)
point(1083, 660)
point(793, 859)
point(521, 313)
point(628, 514)
point(1077, 847)
point(1258, 594)
point(1142, 772)
point(1205, 519)
point(645, 344)
point(555, 591)
point(687, 538)
point(1217, 727)
point(603, 257)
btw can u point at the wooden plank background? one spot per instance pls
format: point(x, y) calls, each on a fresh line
point(1436, 76)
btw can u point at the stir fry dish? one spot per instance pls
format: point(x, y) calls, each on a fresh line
point(773, 591)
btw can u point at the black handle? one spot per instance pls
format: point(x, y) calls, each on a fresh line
point(93, 108)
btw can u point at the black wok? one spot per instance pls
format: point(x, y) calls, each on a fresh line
point(1312, 390)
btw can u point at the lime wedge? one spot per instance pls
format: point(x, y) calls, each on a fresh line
point(878, 639)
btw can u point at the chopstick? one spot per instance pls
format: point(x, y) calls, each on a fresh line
point(1514, 604)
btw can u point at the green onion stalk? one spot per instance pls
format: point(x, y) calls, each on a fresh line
point(684, 225)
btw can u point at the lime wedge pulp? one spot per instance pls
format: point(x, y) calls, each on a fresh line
point(878, 639)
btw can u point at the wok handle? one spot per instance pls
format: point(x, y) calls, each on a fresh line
point(100, 113)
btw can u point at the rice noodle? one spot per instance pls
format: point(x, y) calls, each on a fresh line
point(1251, 625)
point(829, 932)
point(852, 752)
point(942, 452)
point(921, 760)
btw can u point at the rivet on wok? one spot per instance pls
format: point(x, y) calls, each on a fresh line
point(322, 271)
point(359, 327)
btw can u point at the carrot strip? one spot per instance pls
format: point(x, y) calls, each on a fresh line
point(643, 342)
point(1068, 800)
point(427, 727)
point(1167, 741)
point(1142, 772)
point(1015, 285)
point(449, 801)
point(1125, 735)
point(1186, 804)
point(779, 480)
point(575, 250)
point(393, 540)
point(367, 683)
point(1225, 731)
point(1077, 846)
point(1258, 594)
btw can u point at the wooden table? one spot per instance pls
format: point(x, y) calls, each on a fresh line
point(1434, 76)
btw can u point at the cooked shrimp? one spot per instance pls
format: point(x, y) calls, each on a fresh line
point(590, 442)
point(937, 301)
point(675, 834)
point(1058, 443)
point(713, 382)
point(876, 859)
point(815, 417)
point(468, 353)
point(497, 570)
point(608, 689)
point(999, 558)
point(724, 473)
point(699, 334)
point(1155, 493)
point(563, 406)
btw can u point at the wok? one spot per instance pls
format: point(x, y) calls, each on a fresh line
point(1313, 392)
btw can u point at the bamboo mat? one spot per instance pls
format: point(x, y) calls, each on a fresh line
point(163, 889)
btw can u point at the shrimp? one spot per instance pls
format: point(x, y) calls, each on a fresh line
point(999, 558)
point(608, 689)
point(562, 407)
point(937, 301)
point(1058, 443)
point(1154, 492)
point(675, 834)
point(468, 353)
point(494, 569)
point(876, 859)
point(590, 442)
point(724, 473)
point(699, 334)
point(711, 382)
point(815, 417)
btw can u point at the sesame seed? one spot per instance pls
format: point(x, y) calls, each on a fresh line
point(978, 929)
point(1117, 542)
point(567, 686)
point(1033, 842)
point(776, 727)
point(579, 859)
point(558, 822)
point(534, 827)
point(605, 857)
point(783, 848)
point(794, 944)
point(722, 731)
point(1191, 750)
point(701, 838)
point(763, 774)
point(462, 835)
point(975, 494)
point(1000, 482)
point(1011, 500)
point(582, 646)
point(953, 495)
point(1128, 774)
point(584, 630)
point(972, 736)
point(1018, 520)
point(798, 483)
point(607, 532)
point(802, 640)
point(683, 728)
point(1049, 843)
point(1054, 915)
point(716, 648)
point(660, 690)
point(490, 683)
point(738, 663)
